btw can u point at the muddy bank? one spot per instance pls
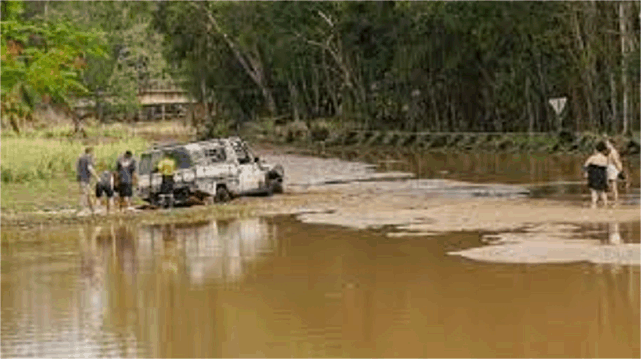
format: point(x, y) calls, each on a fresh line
point(434, 212)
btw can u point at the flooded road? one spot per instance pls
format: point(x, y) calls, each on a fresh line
point(557, 176)
point(276, 287)
point(435, 256)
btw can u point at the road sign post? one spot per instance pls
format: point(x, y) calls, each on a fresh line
point(558, 104)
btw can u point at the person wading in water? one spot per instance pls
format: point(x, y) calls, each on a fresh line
point(615, 169)
point(85, 170)
point(596, 172)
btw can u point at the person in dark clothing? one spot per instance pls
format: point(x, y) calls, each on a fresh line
point(596, 168)
point(105, 186)
point(85, 170)
point(126, 169)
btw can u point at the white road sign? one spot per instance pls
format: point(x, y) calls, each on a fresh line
point(558, 104)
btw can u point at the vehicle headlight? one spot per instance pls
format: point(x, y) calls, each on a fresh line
point(188, 176)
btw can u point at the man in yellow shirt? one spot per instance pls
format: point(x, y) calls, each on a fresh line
point(167, 167)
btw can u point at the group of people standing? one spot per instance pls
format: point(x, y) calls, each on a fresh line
point(604, 169)
point(108, 183)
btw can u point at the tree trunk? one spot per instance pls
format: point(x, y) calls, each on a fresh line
point(77, 122)
point(587, 71)
point(544, 93)
point(316, 89)
point(305, 93)
point(328, 82)
point(250, 62)
point(436, 122)
point(613, 104)
point(578, 114)
point(203, 96)
point(98, 100)
point(529, 105)
point(13, 121)
point(269, 98)
point(623, 25)
point(293, 99)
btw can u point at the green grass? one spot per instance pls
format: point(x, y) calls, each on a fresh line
point(31, 159)
point(37, 167)
point(55, 194)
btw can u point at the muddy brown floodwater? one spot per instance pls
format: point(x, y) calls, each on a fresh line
point(276, 287)
point(428, 267)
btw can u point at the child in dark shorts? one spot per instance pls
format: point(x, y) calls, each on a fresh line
point(105, 185)
point(596, 168)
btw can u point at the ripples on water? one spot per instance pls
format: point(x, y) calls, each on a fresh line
point(280, 288)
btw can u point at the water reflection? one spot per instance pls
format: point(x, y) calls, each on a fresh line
point(217, 251)
point(614, 234)
point(280, 288)
point(58, 306)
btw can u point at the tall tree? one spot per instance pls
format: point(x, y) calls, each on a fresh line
point(41, 62)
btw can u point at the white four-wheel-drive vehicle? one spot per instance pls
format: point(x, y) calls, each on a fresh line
point(211, 171)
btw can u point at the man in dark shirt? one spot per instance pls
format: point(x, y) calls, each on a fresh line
point(84, 169)
point(126, 168)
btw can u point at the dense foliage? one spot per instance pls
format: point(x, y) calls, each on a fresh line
point(408, 65)
point(42, 61)
point(441, 66)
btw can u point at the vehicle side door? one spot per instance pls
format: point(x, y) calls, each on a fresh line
point(214, 169)
point(251, 177)
point(148, 182)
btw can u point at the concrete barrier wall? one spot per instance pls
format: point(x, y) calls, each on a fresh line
point(458, 141)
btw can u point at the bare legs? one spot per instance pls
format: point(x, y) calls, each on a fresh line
point(107, 203)
point(85, 197)
point(615, 190)
point(598, 194)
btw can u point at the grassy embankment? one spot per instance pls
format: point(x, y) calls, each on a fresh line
point(38, 167)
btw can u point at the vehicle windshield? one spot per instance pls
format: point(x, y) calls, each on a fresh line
point(241, 153)
point(215, 154)
point(144, 168)
point(182, 157)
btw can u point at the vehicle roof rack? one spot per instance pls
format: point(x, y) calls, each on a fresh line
point(158, 146)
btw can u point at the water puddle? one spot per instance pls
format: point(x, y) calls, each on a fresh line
point(276, 287)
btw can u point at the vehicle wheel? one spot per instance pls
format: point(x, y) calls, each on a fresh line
point(276, 176)
point(208, 200)
point(276, 186)
point(222, 195)
point(156, 201)
point(168, 202)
